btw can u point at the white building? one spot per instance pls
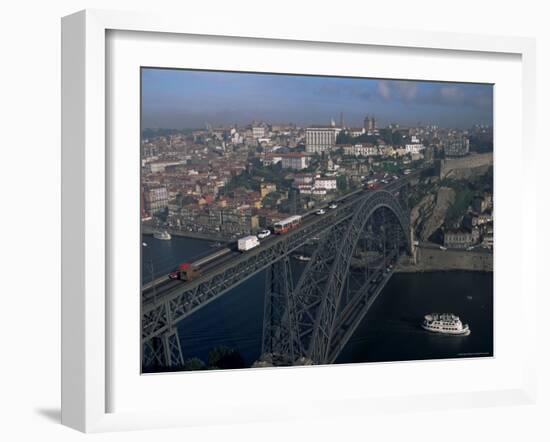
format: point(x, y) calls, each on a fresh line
point(294, 161)
point(321, 138)
point(325, 183)
point(160, 166)
point(305, 179)
point(270, 159)
point(414, 148)
point(356, 132)
point(258, 132)
point(361, 150)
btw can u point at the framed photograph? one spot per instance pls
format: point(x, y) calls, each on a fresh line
point(250, 212)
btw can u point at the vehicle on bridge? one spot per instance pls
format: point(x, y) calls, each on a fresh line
point(247, 243)
point(287, 224)
point(374, 185)
point(185, 272)
point(188, 271)
point(263, 234)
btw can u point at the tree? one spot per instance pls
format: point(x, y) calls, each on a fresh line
point(344, 137)
point(341, 183)
point(224, 358)
point(195, 364)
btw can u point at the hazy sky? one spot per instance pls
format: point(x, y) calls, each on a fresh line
point(180, 99)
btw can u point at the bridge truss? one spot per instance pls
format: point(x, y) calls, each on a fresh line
point(312, 321)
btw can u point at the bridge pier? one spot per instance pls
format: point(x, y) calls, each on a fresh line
point(173, 354)
point(163, 351)
point(278, 337)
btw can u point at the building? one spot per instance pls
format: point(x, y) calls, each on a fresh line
point(294, 161)
point(355, 131)
point(303, 180)
point(487, 241)
point(457, 147)
point(458, 239)
point(369, 124)
point(321, 138)
point(215, 218)
point(364, 150)
point(429, 154)
point(481, 203)
point(155, 199)
point(414, 148)
point(325, 183)
point(258, 132)
point(160, 166)
point(267, 188)
point(271, 158)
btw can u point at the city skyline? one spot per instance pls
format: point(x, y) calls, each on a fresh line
point(186, 99)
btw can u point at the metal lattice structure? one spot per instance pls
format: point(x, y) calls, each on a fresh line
point(305, 322)
point(324, 299)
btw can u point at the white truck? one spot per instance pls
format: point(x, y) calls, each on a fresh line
point(247, 243)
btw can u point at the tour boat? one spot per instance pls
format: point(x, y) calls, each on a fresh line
point(164, 235)
point(445, 323)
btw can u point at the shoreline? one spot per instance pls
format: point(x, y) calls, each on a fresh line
point(435, 260)
point(148, 230)
point(414, 269)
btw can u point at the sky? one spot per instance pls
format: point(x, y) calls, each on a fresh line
point(179, 99)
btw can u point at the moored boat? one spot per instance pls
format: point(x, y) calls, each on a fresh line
point(163, 235)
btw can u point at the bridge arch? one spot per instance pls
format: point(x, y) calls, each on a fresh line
point(322, 300)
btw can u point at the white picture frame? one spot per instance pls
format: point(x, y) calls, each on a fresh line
point(85, 211)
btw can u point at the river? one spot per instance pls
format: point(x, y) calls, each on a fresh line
point(389, 332)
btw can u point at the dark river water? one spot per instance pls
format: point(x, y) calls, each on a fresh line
point(389, 332)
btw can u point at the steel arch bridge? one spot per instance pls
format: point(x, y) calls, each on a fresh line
point(309, 320)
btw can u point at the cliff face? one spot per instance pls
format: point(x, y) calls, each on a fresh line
point(429, 214)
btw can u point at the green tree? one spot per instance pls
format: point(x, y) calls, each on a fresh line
point(195, 364)
point(224, 357)
point(344, 137)
point(342, 183)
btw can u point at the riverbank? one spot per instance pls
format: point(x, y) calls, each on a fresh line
point(430, 259)
point(148, 230)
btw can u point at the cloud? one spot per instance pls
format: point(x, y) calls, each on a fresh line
point(458, 96)
point(408, 90)
point(384, 89)
point(451, 95)
point(404, 91)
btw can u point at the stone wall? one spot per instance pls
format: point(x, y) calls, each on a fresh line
point(466, 167)
point(432, 259)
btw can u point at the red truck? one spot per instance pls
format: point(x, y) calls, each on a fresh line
point(191, 270)
point(185, 272)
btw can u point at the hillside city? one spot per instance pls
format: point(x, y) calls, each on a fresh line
point(221, 183)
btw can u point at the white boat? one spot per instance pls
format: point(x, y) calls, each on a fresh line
point(302, 257)
point(164, 235)
point(445, 323)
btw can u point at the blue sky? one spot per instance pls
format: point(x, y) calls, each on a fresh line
point(188, 99)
